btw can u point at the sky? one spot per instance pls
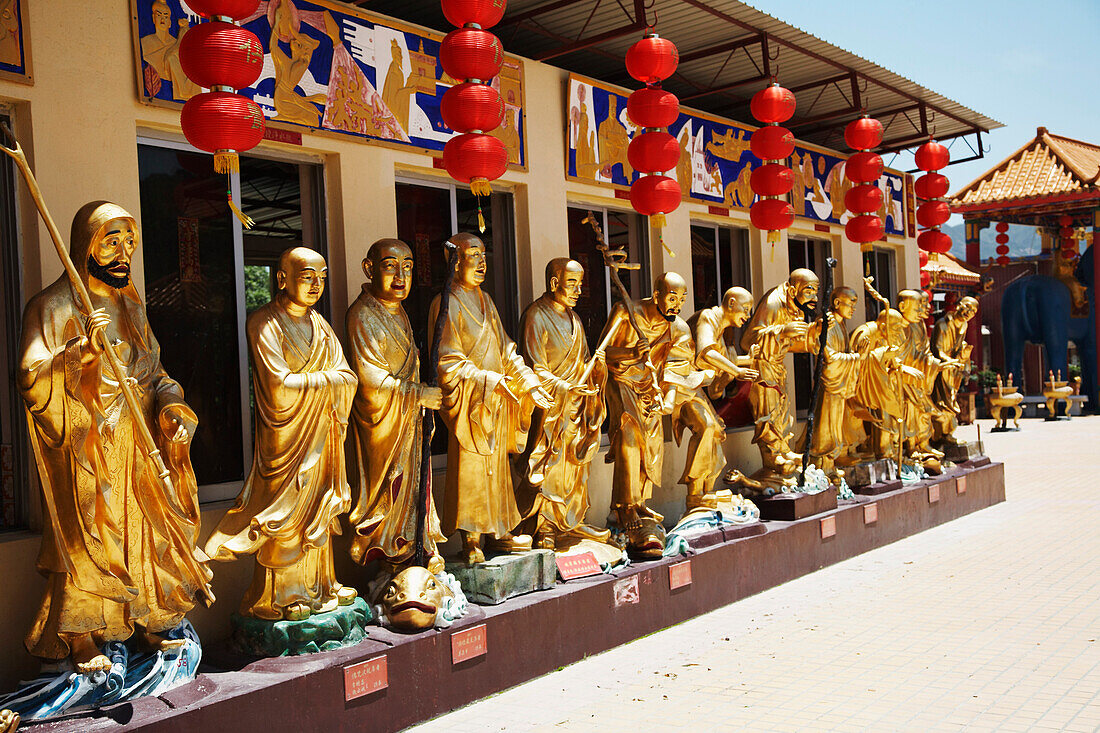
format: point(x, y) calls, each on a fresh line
point(1023, 63)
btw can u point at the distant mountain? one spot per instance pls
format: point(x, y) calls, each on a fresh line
point(1022, 240)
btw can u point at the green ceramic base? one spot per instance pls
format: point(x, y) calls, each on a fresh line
point(320, 632)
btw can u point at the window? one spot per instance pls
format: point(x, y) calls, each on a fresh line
point(427, 214)
point(621, 230)
point(203, 271)
point(16, 457)
point(810, 254)
point(719, 261)
point(879, 264)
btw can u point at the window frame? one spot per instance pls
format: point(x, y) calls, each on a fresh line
point(739, 239)
point(638, 239)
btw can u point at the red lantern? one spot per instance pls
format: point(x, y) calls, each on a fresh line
point(864, 228)
point(925, 280)
point(863, 134)
point(470, 107)
point(933, 213)
point(771, 179)
point(652, 59)
point(864, 167)
point(1002, 238)
point(1002, 261)
point(1002, 227)
point(221, 54)
point(863, 199)
point(771, 214)
point(652, 107)
point(222, 123)
point(933, 240)
point(475, 158)
point(1065, 220)
point(653, 152)
point(772, 143)
point(1065, 232)
point(932, 156)
point(471, 53)
point(235, 9)
point(1002, 249)
point(483, 13)
point(923, 258)
point(931, 186)
point(773, 104)
point(655, 195)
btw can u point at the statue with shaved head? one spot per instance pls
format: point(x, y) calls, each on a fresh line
point(916, 352)
point(949, 345)
point(565, 438)
point(386, 426)
point(777, 328)
point(297, 487)
point(709, 328)
point(877, 407)
point(489, 394)
point(637, 398)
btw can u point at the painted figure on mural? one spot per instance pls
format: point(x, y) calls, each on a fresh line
point(949, 345)
point(398, 88)
point(290, 69)
point(297, 488)
point(613, 141)
point(161, 51)
point(637, 400)
point(833, 441)
point(118, 551)
point(488, 396)
point(778, 327)
point(565, 438)
point(386, 423)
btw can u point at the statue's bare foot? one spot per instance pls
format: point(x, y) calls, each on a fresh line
point(345, 595)
point(436, 565)
point(9, 721)
point(156, 643)
point(545, 541)
point(705, 501)
point(586, 532)
point(296, 612)
point(87, 657)
point(510, 543)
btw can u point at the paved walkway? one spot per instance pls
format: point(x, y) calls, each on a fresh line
point(990, 622)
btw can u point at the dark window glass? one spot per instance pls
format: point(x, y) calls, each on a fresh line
point(806, 253)
point(879, 264)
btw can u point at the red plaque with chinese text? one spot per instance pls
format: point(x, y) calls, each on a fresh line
point(366, 677)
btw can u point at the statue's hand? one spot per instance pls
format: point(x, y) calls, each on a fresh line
point(94, 325)
point(641, 350)
point(748, 375)
point(583, 390)
point(542, 399)
point(431, 398)
point(175, 429)
point(796, 330)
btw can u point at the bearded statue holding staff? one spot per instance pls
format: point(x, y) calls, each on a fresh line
point(488, 396)
point(565, 438)
point(386, 424)
point(297, 488)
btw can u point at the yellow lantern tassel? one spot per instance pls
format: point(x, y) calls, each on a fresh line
point(480, 217)
point(658, 221)
point(246, 221)
point(227, 161)
point(480, 186)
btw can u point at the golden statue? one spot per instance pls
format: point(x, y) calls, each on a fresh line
point(776, 328)
point(637, 400)
point(565, 438)
point(161, 50)
point(949, 345)
point(297, 489)
point(916, 353)
point(118, 546)
point(488, 397)
point(386, 420)
point(833, 438)
point(613, 141)
point(709, 328)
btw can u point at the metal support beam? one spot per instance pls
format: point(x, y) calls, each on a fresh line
point(726, 87)
point(721, 48)
point(638, 24)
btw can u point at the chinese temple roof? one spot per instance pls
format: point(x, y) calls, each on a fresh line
point(1050, 170)
point(946, 269)
point(728, 51)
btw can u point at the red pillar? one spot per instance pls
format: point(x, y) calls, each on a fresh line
point(974, 259)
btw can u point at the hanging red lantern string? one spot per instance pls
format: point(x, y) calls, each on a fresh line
point(932, 188)
point(773, 144)
point(864, 169)
point(1067, 235)
point(653, 151)
point(221, 56)
point(1002, 243)
point(473, 108)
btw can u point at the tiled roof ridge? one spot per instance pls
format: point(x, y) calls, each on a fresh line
point(1052, 141)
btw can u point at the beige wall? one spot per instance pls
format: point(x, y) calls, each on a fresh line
point(79, 123)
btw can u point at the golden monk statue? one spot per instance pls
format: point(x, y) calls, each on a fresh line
point(565, 438)
point(488, 397)
point(778, 327)
point(833, 439)
point(118, 550)
point(878, 403)
point(161, 50)
point(386, 419)
point(949, 345)
point(637, 399)
point(709, 328)
point(297, 488)
point(916, 353)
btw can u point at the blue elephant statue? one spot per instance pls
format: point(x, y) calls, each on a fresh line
point(1037, 308)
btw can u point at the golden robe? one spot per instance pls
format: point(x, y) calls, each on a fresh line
point(877, 399)
point(386, 434)
point(485, 425)
point(298, 487)
point(565, 438)
point(917, 353)
point(948, 342)
point(839, 381)
point(706, 330)
point(637, 436)
point(694, 412)
point(117, 550)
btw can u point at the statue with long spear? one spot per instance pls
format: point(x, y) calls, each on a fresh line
point(819, 366)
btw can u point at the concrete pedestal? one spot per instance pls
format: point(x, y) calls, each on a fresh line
point(506, 576)
point(795, 505)
point(870, 472)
